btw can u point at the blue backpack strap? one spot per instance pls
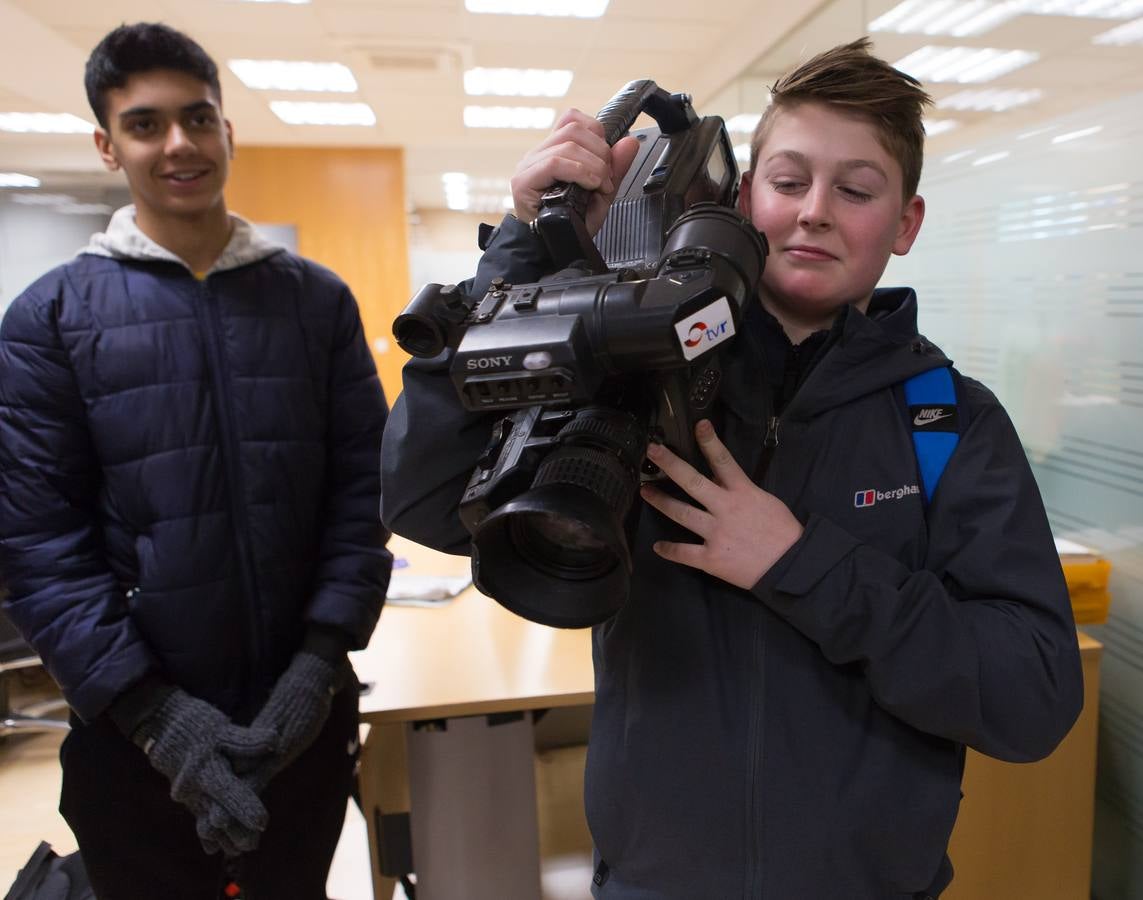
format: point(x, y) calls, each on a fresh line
point(933, 414)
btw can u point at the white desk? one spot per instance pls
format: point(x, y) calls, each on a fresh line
point(442, 682)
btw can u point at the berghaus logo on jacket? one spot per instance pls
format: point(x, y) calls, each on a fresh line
point(870, 497)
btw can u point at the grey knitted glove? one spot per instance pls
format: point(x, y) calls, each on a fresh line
point(295, 711)
point(194, 745)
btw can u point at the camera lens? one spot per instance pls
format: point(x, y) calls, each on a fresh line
point(563, 547)
point(558, 553)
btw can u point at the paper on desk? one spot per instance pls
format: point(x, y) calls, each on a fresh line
point(425, 590)
point(425, 577)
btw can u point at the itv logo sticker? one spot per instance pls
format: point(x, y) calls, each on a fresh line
point(707, 328)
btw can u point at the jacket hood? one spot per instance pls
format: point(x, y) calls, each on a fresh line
point(123, 239)
point(868, 351)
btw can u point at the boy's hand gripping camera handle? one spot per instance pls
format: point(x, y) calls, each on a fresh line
point(563, 207)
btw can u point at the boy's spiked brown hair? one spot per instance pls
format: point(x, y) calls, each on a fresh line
point(851, 79)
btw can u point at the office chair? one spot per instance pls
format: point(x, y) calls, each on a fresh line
point(16, 654)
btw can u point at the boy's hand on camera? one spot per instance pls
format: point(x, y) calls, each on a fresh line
point(575, 153)
point(745, 530)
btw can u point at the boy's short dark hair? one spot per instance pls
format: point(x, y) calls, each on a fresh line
point(851, 79)
point(143, 47)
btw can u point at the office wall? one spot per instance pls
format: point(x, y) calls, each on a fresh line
point(34, 239)
point(348, 208)
point(442, 246)
point(1029, 270)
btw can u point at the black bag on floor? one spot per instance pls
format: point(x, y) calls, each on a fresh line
point(48, 876)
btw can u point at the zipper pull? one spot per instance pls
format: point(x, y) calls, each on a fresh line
point(771, 439)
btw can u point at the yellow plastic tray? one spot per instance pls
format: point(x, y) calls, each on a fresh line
point(1087, 584)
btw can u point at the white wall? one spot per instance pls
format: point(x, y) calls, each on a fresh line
point(34, 239)
point(1029, 271)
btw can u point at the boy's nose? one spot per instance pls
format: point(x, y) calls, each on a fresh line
point(177, 141)
point(815, 211)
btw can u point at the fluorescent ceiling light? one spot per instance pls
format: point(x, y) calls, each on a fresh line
point(965, 65)
point(1086, 9)
point(743, 123)
point(301, 113)
point(517, 82)
point(579, 9)
point(44, 123)
point(284, 75)
point(933, 127)
point(1123, 35)
point(990, 99)
point(961, 154)
point(509, 116)
point(742, 153)
point(958, 18)
point(1072, 135)
point(43, 199)
point(991, 158)
point(475, 194)
point(16, 180)
point(85, 209)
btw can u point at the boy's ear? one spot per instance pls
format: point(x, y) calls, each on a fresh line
point(911, 218)
point(744, 193)
point(105, 149)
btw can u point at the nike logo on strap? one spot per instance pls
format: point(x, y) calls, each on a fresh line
point(929, 416)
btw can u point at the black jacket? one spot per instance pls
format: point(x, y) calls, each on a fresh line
point(804, 739)
point(188, 473)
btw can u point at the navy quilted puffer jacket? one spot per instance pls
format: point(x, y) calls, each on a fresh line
point(189, 471)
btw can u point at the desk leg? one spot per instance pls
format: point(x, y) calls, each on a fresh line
point(384, 784)
point(473, 791)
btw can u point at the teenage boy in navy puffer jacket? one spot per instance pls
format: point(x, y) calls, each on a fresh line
point(190, 427)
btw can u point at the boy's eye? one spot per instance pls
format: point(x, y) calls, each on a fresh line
point(140, 126)
point(202, 120)
point(857, 194)
point(785, 185)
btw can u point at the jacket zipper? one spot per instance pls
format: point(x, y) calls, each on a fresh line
point(769, 444)
point(756, 857)
point(228, 447)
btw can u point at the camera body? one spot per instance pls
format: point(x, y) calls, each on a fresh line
point(615, 349)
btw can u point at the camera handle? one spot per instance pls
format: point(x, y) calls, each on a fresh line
point(563, 207)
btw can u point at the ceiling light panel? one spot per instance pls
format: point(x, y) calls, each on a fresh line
point(517, 82)
point(743, 123)
point(1087, 9)
point(990, 99)
point(1122, 36)
point(579, 9)
point(965, 65)
point(16, 180)
point(961, 18)
point(1075, 135)
point(958, 18)
point(299, 113)
point(44, 123)
point(509, 116)
point(284, 75)
point(933, 127)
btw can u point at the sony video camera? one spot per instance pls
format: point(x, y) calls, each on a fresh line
point(615, 349)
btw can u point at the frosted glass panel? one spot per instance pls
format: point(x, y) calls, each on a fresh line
point(1029, 270)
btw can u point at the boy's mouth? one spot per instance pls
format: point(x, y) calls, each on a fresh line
point(186, 177)
point(809, 253)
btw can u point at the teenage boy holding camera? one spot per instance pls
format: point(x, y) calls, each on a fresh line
point(783, 703)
